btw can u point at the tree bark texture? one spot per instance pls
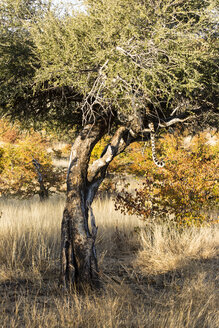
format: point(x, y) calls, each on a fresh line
point(43, 192)
point(78, 254)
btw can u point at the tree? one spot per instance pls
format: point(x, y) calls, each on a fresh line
point(124, 68)
point(26, 167)
point(17, 60)
point(186, 189)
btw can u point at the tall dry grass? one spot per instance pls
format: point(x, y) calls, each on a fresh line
point(165, 249)
point(158, 277)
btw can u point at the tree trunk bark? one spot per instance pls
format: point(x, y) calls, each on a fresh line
point(43, 192)
point(78, 254)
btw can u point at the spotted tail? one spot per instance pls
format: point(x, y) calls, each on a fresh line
point(153, 146)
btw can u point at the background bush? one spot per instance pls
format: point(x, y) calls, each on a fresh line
point(17, 151)
point(185, 190)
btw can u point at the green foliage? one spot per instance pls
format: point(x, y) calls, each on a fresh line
point(17, 61)
point(186, 189)
point(132, 51)
point(118, 55)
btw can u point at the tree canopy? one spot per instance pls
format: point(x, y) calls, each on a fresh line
point(128, 67)
point(116, 57)
point(17, 60)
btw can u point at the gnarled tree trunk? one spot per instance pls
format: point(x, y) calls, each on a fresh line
point(78, 254)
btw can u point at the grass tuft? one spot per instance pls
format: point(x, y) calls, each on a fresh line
point(157, 278)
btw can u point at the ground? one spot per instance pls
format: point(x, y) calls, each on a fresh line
point(154, 278)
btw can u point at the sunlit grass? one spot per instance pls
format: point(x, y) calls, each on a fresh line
point(164, 249)
point(152, 277)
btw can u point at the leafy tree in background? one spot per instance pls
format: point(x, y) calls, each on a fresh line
point(186, 189)
point(26, 166)
point(117, 68)
point(17, 60)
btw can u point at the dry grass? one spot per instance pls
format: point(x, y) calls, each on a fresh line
point(63, 163)
point(165, 249)
point(159, 278)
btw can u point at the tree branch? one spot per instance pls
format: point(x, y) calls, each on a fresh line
point(81, 150)
point(172, 121)
point(97, 170)
point(107, 156)
point(43, 193)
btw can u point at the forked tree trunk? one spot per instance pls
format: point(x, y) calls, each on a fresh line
point(78, 254)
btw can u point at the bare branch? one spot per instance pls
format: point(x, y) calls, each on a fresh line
point(174, 111)
point(172, 121)
point(43, 193)
point(144, 131)
point(128, 54)
point(95, 94)
point(111, 151)
point(37, 167)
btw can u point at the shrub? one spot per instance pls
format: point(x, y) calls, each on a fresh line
point(185, 190)
point(18, 174)
point(8, 132)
